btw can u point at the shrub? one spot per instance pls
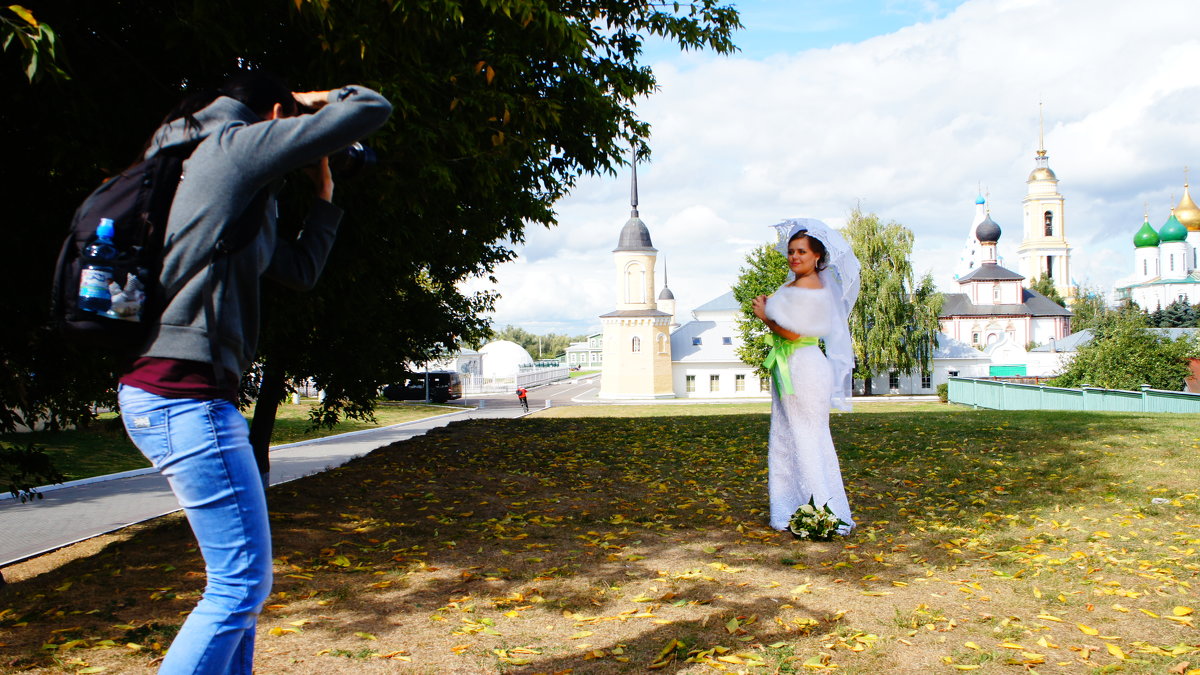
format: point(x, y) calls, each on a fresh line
point(943, 391)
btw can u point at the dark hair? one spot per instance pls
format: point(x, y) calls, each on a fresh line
point(817, 246)
point(260, 91)
point(257, 89)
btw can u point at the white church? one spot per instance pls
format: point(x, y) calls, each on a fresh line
point(1165, 265)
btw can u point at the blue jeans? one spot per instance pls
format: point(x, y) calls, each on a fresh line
point(203, 449)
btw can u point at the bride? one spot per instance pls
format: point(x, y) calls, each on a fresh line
point(814, 303)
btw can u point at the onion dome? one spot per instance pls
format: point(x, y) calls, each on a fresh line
point(1042, 172)
point(634, 236)
point(1146, 237)
point(1172, 230)
point(1187, 212)
point(666, 293)
point(987, 232)
point(980, 200)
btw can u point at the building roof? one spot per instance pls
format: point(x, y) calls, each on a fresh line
point(633, 313)
point(722, 303)
point(711, 347)
point(1078, 339)
point(1033, 304)
point(635, 236)
point(990, 271)
point(1192, 278)
point(949, 348)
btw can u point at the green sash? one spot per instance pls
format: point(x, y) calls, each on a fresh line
point(777, 359)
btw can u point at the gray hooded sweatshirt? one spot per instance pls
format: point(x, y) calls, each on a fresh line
point(239, 156)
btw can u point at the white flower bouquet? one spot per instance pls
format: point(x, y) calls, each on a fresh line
point(814, 522)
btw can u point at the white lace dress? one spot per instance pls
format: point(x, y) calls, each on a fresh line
point(801, 459)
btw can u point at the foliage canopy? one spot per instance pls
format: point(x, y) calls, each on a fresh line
point(764, 272)
point(1125, 354)
point(501, 105)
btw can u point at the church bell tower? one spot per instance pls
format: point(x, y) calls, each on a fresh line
point(1044, 249)
point(637, 341)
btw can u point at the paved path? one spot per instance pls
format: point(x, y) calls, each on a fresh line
point(84, 509)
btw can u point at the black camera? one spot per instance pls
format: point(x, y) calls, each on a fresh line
point(351, 160)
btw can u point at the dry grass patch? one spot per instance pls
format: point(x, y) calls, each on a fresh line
point(988, 541)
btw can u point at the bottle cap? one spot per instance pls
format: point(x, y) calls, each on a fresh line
point(105, 230)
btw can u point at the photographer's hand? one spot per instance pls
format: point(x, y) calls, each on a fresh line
point(313, 100)
point(322, 178)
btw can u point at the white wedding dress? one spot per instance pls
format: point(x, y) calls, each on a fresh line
point(801, 459)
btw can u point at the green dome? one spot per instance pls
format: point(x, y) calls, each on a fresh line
point(1146, 236)
point(1172, 230)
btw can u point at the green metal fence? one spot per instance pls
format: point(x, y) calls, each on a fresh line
point(1009, 396)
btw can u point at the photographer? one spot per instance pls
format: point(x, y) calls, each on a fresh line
point(178, 398)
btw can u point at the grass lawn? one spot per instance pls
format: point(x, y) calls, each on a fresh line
point(994, 542)
point(103, 447)
point(583, 373)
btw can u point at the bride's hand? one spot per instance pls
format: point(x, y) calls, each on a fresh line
point(759, 305)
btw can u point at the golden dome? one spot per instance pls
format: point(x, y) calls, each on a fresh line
point(1187, 212)
point(1042, 173)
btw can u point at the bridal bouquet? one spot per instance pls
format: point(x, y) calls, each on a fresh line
point(814, 522)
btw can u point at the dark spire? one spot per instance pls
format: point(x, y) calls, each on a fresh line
point(633, 200)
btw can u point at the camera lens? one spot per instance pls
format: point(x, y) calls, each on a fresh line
point(351, 160)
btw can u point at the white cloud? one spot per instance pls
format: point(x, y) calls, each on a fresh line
point(907, 124)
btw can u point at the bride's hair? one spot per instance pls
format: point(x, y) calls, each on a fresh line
point(818, 247)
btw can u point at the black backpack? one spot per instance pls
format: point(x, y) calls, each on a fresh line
point(138, 201)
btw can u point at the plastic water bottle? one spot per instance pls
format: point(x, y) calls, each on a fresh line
point(97, 273)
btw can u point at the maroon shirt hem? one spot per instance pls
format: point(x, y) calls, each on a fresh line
point(177, 378)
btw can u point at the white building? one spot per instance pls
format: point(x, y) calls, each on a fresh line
point(993, 307)
point(503, 359)
point(704, 360)
point(1165, 261)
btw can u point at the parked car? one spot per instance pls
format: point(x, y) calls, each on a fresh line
point(444, 385)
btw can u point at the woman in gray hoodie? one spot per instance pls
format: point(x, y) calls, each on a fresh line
point(178, 398)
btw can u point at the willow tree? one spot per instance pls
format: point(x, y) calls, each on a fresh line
point(894, 325)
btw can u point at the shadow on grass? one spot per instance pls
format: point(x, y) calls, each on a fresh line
point(586, 522)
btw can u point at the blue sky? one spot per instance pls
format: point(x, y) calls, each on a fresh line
point(785, 26)
point(904, 108)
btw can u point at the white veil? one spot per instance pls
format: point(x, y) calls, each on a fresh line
point(842, 276)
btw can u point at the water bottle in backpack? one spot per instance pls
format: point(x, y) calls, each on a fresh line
point(96, 274)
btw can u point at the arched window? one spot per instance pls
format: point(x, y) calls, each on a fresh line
point(635, 283)
point(637, 344)
point(1145, 267)
point(995, 292)
point(1049, 224)
point(662, 343)
point(1049, 267)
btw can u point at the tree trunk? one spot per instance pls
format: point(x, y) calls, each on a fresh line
point(867, 385)
point(270, 393)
